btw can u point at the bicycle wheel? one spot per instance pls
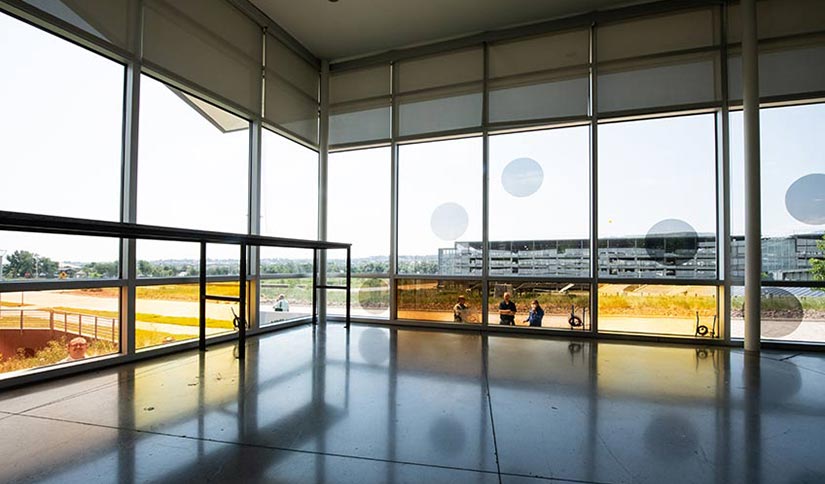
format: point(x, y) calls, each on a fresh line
point(574, 321)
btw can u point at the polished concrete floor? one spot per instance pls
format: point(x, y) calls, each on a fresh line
point(395, 405)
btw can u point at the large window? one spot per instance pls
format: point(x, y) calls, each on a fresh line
point(793, 193)
point(657, 198)
point(289, 188)
point(193, 162)
point(439, 207)
point(60, 131)
point(39, 328)
point(659, 309)
point(438, 300)
point(793, 221)
point(539, 203)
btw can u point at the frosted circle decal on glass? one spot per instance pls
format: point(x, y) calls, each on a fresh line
point(522, 177)
point(671, 242)
point(374, 296)
point(782, 312)
point(805, 199)
point(374, 346)
point(449, 221)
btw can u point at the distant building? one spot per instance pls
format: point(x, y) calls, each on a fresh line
point(784, 258)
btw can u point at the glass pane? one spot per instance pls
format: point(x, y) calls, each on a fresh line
point(659, 309)
point(657, 198)
point(433, 300)
point(61, 126)
point(193, 173)
point(544, 174)
point(361, 217)
point(793, 193)
point(182, 259)
point(285, 299)
point(439, 207)
point(369, 298)
point(558, 305)
point(170, 313)
point(289, 188)
point(27, 255)
point(787, 314)
point(40, 328)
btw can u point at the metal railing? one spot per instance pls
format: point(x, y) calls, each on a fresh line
point(25, 222)
point(67, 322)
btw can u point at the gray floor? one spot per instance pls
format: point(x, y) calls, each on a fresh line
point(393, 405)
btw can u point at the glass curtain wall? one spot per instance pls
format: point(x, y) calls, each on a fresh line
point(361, 217)
point(193, 159)
point(289, 208)
point(67, 166)
point(793, 223)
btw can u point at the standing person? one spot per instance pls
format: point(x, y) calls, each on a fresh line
point(536, 314)
point(461, 312)
point(77, 349)
point(281, 304)
point(507, 311)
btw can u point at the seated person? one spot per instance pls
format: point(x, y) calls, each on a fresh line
point(536, 314)
point(461, 312)
point(77, 349)
point(507, 311)
point(281, 304)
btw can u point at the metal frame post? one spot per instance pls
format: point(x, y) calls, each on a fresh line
point(202, 301)
point(485, 192)
point(753, 206)
point(594, 184)
point(242, 305)
point(323, 182)
point(349, 282)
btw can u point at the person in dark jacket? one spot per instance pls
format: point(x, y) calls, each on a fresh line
point(536, 314)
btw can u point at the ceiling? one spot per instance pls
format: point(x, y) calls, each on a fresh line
point(354, 28)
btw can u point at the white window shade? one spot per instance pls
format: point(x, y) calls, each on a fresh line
point(660, 34)
point(780, 18)
point(209, 43)
point(291, 93)
point(360, 105)
point(659, 83)
point(440, 93)
point(659, 62)
point(541, 77)
point(786, 68)
point(110, 20)
point(791, 48)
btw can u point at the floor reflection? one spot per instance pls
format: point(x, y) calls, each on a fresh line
point(394, 405)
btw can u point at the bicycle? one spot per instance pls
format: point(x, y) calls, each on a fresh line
point(575, 321)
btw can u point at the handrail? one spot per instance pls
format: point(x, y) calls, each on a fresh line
point(28, 222)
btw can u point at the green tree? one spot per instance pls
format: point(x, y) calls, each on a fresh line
point(101, 269)
point(818, 265)
point(20, 263)
point(23, 263)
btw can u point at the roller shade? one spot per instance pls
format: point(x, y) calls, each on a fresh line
point(681, 67)
point(659, 83)
point(791, 48)
point(441, 92)
point(291, 92)
point(110, 20)
point(209, 43)
point(360, 105)
point(541, 77)
point(780, 18)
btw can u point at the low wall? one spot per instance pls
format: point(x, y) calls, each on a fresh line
point(30, 340)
